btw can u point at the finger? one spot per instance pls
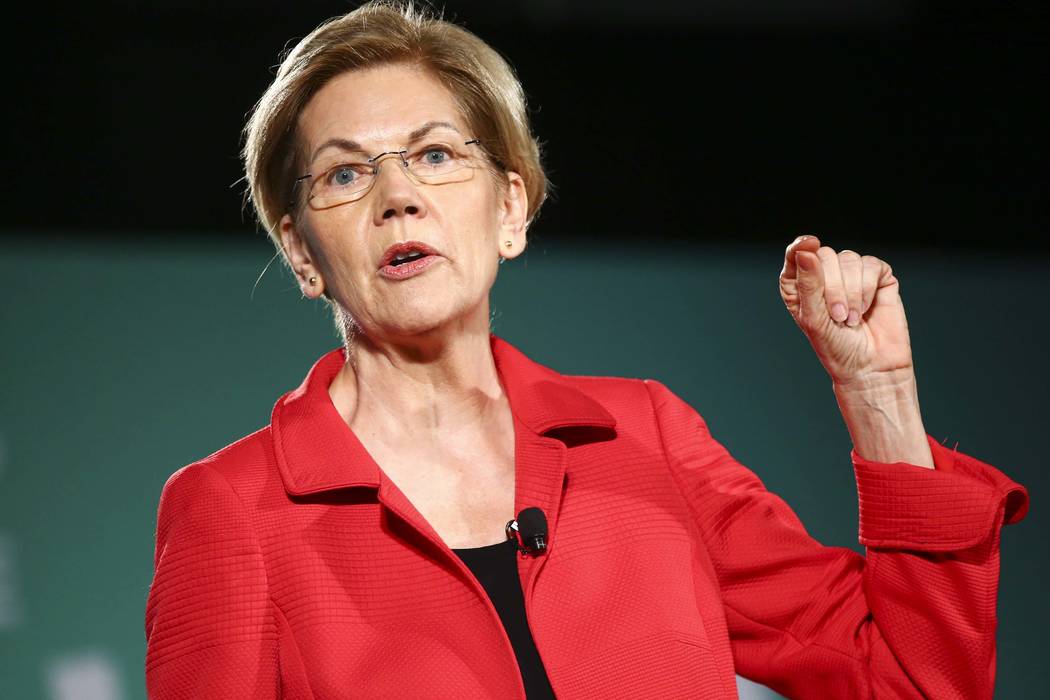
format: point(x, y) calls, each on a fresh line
point(813, 311)
point(872, 271)
point(805, 242)
point(853, 280)
point(834, 289)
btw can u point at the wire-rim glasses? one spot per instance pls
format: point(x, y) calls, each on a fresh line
point(343, 178)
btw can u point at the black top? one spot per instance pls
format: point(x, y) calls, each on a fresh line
point(496, 568)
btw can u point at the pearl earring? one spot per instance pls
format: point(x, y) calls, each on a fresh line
point(313, 281)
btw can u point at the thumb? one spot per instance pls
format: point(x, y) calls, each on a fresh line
point(813, 311)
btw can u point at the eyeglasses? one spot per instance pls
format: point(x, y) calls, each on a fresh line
point(443, 160)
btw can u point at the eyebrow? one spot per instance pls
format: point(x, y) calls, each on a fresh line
point(427, 128)
point(354, 146)
point(340, 143)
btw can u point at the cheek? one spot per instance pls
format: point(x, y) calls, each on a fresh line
point(483, 239)
point(484, 218)
point(331, 243)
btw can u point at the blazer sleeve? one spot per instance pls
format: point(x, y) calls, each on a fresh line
point(915, 618)
point(210, 627)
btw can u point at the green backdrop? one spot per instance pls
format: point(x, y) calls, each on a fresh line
point(123, 362)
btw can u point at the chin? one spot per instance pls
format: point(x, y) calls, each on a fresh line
point(419, 321)
point(435, 318)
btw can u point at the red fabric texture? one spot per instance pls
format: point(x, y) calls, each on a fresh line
point(289, 566)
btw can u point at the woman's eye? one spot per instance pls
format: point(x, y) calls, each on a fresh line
point(436, 156)
point(342, 176)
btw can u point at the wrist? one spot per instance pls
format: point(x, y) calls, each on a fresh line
point(883, 418)
point(897, 383)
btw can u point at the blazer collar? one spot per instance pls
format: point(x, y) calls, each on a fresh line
point(316, 450)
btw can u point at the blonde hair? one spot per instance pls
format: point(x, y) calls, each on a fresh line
point(483, 85)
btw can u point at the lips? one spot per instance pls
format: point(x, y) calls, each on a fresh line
point(403, 249)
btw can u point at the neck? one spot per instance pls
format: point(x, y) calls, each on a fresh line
point(427, 384)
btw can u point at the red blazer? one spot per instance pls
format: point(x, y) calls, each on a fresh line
point(289, 566)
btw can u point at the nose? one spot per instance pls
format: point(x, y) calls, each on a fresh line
point(396, 195)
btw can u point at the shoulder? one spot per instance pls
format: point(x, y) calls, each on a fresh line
point(636, 392)
point(635, 401)
point(649, 407)
point(206, 511)
point(607, 388)
point(221, 480)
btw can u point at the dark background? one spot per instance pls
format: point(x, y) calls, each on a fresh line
point(729, 120)
point(689, 142)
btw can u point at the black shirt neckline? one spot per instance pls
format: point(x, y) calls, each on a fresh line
point(496, 568)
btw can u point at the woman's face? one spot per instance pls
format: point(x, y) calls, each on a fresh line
point(468, 222)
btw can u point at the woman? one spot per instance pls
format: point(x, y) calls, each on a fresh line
point(358, 545)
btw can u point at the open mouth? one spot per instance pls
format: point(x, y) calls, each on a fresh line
point(407, 257)
point(406, 252)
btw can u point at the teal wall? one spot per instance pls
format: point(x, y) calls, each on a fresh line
point(122, 363)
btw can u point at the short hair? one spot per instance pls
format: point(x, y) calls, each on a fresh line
point(482, 83)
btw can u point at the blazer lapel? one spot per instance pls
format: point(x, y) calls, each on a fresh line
point(548, 411)
point(316, 451)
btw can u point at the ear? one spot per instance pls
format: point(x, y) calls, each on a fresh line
point(514, 209)
point(297, 252)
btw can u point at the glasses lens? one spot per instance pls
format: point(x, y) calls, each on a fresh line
point(444, 159)
point(340, 183)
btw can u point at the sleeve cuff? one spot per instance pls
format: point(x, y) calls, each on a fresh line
point(953, 506)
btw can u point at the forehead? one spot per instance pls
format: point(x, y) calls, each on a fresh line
point(377, 107)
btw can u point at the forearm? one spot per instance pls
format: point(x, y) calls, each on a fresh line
point(884, 420)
